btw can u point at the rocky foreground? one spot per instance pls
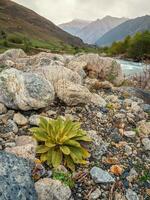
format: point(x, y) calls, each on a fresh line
point(85, 89)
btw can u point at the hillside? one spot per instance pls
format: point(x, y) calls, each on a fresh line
point(129, 27)
point(91, 33)
point(74, 26)
point(16, 19)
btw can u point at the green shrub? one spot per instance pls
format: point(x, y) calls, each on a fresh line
point(15, 39)
point(60, 142)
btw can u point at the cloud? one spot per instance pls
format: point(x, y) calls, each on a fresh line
point(60, 11)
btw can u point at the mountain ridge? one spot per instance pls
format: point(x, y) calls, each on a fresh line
point(130, 27)
point(17, 18)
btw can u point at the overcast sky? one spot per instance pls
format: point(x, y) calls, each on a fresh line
point(59, 11)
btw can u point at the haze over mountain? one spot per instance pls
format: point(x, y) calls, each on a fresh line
point(15, 18)
point(74, 26)
point(94, 30)
point(129, 27)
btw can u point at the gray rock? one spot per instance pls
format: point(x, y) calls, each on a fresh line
point(130, 134)
point(131, 195)
point(98, 100)
point(101, 176)
point(24, 91)
point(3, 109)
point(146, 143)
point(9, 127)
point(49, 189)
point(95, 195)
point(15, 178)
point(146, 108)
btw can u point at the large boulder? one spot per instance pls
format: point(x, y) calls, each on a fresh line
point(12, 54)
point(24, 91)
point(72, 94)
point(15, 178)
point(55, 73)
point(103, 68)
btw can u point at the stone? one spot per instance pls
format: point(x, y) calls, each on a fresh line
point(15, 178)
point(98, 100)
point(101, 176)
point(146, 108)
point(97, 147)
point(3, 109)
point(77, 67)
point(72, 94)
point(20, 119)
point(34, 120)
point(146, 143)
point(10, 126)
point(131, 195)
point(25, 140)
point(143, 128)
point(130, 134)
point(24, 91)
point(128, 150)
point(25, 151)
point(49, 189)
point(103, 68)
point(55, 73)
point(25, 147)
point(95, 194)
point(12, 54)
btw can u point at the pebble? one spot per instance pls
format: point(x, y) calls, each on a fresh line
point(95, 195)
point(131, 195)
point(20, 119)
point(130, 134)
point(146, 143)
point(101, 176)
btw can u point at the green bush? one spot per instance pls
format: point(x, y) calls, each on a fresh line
point(15, 39)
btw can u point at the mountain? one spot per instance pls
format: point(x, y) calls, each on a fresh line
point(129, 27)
point(74, 26)
point(15, 18)
point(93, 31)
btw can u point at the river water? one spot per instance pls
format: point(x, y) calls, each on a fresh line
point(131, 68)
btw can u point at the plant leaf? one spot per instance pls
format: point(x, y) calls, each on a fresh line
point(49, 144)
point(42, 149)
point(65, 150)
point(56, 157)
point(39, 134)
point(72, 143)
point(43, 123)
point(69, 163)
point(43, 157)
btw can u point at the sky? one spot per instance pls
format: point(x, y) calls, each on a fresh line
point(60, 11)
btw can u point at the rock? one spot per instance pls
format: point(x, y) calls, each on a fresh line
point(98, 146)
point(146, 108)
point(101, 176)
point(25, 140)
point(131, 195)
point(12, 54)
point(143, 128)
point(34, 120)
point(20, 119)
point(72, 94)
point(102, 68)
point(98, 100)
point(24, 91)
point(128, 150)
point(15, 178)
point(95, 195)
point(130, 134)
point(49, 189)
point(146, 143)
point(3, 109)
point(25, 148)
point(9, 127)
point(77, 67)
point(55, 73)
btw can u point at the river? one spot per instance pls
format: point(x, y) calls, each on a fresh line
point(131, 68)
